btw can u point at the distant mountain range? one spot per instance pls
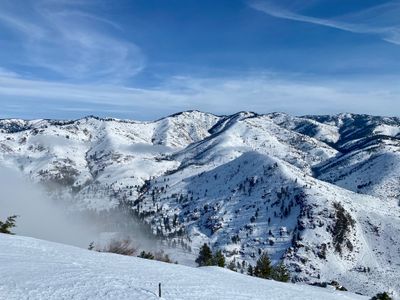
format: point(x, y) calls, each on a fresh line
point(320, 192)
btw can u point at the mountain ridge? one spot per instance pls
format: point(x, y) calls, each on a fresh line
point(302, 188)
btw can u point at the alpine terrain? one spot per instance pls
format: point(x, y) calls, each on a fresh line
point(320, 193)
point(37, 269)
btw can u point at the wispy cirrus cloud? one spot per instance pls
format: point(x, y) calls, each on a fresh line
point(65, 39)
point(76, 61)
point(381, 20)
point(7, 73)
point(261, 92)
point(22, 26)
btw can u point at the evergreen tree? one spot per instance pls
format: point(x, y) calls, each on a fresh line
point(91, 246)
point(146, 255)
point(263, 266)
point(256, 271)
point(205, 257)
point(280, 273)
point(382, 296)
point(7, 225)
point(250, 270)
point(219, 259)
point(232, 266)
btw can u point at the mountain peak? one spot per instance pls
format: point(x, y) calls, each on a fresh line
point(244, 183)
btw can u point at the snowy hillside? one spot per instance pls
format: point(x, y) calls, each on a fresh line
point(95, 158)
point(256, 203)
point(320, 193)
point(36, 269)
point(366, 145)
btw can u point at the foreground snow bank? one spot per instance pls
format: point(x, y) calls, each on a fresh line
point(37, 269)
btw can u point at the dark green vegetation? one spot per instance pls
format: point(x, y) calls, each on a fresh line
point(264, 269)
point(159, 255)
point(343, 223)
point(5, 227)
point(207, 258)
point(382, 296)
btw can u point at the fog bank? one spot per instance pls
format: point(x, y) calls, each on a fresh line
point(38, 215)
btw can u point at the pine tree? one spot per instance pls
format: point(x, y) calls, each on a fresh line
point(250, 270)
point(205, 257)
point(263, 266)
point(219, 259)
point(280, 273)
point(382, 296)
point(91, 246)
point(8, 224)
point(256, 271)
point(146, 255)
point(232, 266)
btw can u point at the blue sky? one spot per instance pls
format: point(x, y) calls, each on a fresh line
point(143, 59)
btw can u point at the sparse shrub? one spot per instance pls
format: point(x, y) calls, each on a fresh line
point(161, 256)
point(123, 247)
point(5, 227)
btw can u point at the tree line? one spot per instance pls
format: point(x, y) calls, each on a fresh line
point(262, 269)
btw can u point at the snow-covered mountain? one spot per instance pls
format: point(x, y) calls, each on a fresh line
point(367, 146)
point(320, 192)
point(36, 269)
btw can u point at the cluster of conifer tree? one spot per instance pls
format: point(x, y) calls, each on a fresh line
point(262, 269)
point(382, 296)
point(208, 258)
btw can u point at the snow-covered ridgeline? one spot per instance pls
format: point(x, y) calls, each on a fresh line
point(245, 183)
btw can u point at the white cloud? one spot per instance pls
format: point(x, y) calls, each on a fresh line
point(62, 37)
point(7, 73)
point(29, 29)
point(256, 92)
point(73, 43)
point(369, 21)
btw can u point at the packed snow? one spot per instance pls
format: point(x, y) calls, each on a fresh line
point(36, 269)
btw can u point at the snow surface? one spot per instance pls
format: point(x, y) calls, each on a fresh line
point(270, 180)
point(36, 269)
point(247, 198)
point(387, 130)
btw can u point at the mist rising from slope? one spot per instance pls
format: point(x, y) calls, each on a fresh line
point(38, 216)
point(43, 218)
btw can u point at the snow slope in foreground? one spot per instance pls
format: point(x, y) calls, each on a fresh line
point(36, 269)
